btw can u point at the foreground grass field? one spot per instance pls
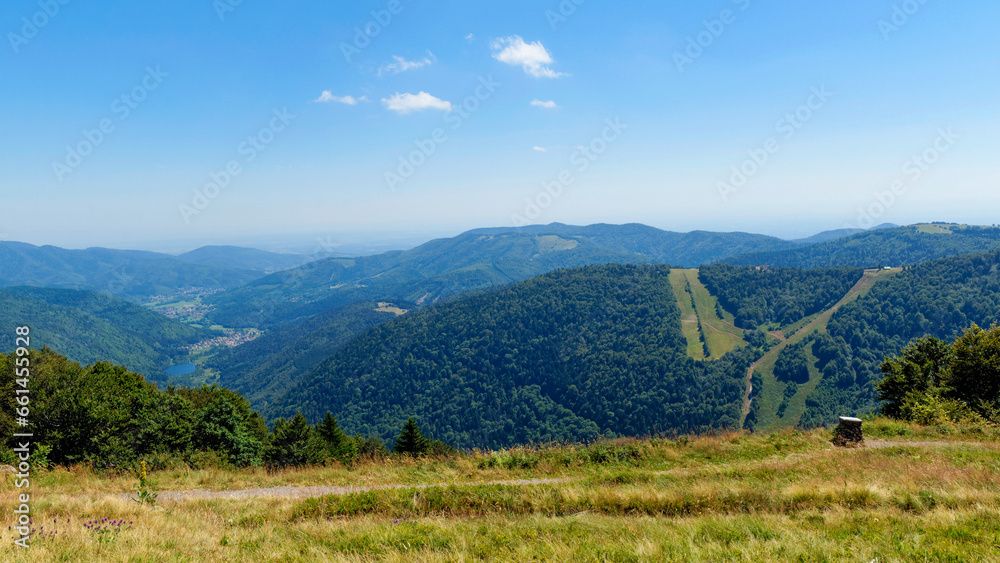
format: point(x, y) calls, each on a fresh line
point(913, 494)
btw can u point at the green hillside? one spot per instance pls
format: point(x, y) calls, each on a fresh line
point(776, 296)
point(569, 355)
point(940, 298)
point(276, 361)
point(477, 259)
point(121, 272)
point(240, 258)
point(90, 327)
point(707, 327)
point(902, 246)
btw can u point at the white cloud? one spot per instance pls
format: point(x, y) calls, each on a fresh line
point(470, 38)
point(405, 103)
point(403, 65)
point(533, 57)
point(327, 96)
point(547, 105)
point(540, 149)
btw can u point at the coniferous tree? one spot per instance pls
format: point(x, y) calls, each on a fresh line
point(293, 442)
point(411, 440)
point(338, 444)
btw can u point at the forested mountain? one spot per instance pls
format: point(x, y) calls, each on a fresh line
point(276, 361)
point(839, 233)
point(568, 355)
point(120, 272)
point(776, 295)
point(679, 249)
point(90, 327)
point(477, 259)
point(939, 298)
point(903, 246)
point(240, 258)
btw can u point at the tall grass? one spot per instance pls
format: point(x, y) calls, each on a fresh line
point(788, 496)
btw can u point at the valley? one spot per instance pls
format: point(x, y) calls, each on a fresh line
point(298, 331)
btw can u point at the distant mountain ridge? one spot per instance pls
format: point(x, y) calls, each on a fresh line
point(840, 233)
point(476, 259)
point(241, 258)
point(900, 246)
point(119, 272)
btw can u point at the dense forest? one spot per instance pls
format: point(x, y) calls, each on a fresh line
point(939, 298)
point(902, 246)
point(276, 361)
point(477, 259)
point(569, 355)
point(776, 295)
point(89, 327)
point(111, 418)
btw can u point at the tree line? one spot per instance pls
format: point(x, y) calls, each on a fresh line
point(108, 417)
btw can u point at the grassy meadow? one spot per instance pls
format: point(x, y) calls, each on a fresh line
point(912, 494)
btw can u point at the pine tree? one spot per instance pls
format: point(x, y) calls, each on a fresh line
point(293, 442)
point(411, 441)
point(338, 445)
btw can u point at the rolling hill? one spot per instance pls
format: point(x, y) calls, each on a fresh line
point(568, 355)
point(130, 273)
point(940, 298)
point(902, 246)
point(244, 259)
point(476, 259)
point(276, 361)
point(89, 327)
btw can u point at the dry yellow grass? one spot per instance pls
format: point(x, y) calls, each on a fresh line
point(790, 496)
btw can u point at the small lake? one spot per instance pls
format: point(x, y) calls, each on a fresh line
point(181, 369)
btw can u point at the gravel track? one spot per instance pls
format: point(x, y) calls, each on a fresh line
point(311, 492)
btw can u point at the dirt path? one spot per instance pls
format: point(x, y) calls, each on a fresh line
point(864, 284)
point(310, 492)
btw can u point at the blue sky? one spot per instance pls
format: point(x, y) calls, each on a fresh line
point(455, 115)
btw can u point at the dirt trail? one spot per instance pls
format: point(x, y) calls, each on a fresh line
point(310, 492)
point(864, 284)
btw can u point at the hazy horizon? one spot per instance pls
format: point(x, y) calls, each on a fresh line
point(360, 243)
point(160, 123)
